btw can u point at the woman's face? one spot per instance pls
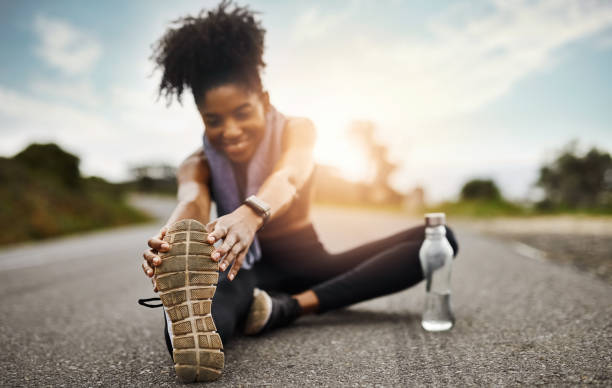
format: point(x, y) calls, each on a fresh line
point(235, 120)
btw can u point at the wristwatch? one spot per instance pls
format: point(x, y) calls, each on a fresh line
point(260, 207)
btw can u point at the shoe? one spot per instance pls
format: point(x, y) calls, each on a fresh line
point(269, 312)
point(186, 280)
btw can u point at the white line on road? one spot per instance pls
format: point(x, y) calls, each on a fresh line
point(529, 251)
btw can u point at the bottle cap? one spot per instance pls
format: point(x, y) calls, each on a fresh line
point(435, 219)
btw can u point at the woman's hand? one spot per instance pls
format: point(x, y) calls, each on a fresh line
point(237, 229)
point(151, 257)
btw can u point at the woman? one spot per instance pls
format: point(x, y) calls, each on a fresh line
point(257, 165)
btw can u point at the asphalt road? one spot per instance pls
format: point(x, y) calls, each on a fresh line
point(70, 318)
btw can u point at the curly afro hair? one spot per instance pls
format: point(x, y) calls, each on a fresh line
point(213, 48)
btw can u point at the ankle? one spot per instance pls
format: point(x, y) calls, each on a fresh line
point(308, 302)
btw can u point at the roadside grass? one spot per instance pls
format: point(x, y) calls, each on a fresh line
point(35, 206)
point(477, 209)
point(481, 209)
point(503, 208)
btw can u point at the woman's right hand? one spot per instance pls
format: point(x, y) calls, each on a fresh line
point(151, 256)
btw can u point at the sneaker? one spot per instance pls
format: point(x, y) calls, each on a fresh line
point(270, 312)
point(187, 279)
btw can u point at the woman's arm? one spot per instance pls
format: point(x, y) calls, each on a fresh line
point(293, 168)
point(193, 202)
point(279, 190)
point(193, 192)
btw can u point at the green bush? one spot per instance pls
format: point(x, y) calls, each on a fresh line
point(577, 182)
point(50, 160)
point(480, 198)
point(480, 189)
point(43, 195)
point(479, 208)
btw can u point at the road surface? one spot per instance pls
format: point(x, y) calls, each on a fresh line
point(70, 318)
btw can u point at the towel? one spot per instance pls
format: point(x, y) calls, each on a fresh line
point(224, 187)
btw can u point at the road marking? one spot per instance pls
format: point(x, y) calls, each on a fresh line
point(529, 251)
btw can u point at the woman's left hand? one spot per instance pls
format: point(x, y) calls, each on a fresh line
point(237, 229)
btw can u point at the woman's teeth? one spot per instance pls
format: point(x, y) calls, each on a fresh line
point(236, 147)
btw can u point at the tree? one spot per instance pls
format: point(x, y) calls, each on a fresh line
point(52, 162)
point(577, 182)
point(155, 178)
point(363, 133)
point(480, 189)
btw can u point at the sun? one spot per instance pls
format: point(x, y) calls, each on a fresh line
point(335, 148)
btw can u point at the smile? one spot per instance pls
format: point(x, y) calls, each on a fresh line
point(236, 147)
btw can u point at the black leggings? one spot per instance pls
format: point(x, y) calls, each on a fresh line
point(298, 262)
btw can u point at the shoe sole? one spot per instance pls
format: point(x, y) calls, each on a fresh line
point(187, 280)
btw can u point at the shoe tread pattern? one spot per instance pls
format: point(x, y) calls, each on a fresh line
point(187, 280)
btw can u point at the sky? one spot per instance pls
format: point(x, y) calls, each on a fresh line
point(457, 90)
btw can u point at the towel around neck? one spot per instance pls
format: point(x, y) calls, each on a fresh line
point(224, 188)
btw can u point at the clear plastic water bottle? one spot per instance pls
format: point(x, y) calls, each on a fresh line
point(436, 257)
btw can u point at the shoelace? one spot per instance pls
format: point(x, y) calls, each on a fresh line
point(146, 302)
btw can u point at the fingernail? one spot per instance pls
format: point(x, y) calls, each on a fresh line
point(223, 267)
point(215, 255)
point(165, 246)
point(149, 272)
point(211, 239)
point(231, 276)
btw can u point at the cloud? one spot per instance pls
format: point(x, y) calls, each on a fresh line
point(333, 68)
point(78, 92)
point(64, 47)
point(137, 131)
point(475, 62)
point(417, 82)
point(313, 23)
point(465, 60)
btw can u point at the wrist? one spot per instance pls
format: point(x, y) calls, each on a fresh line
point(259, 207)
point(252, 216)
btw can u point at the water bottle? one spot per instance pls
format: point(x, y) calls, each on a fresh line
point(436, 257)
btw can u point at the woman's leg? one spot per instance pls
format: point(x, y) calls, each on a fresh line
point(298, 261)
point(231, 302)
point(230, 305)
point(379, 268)
point(336, 280)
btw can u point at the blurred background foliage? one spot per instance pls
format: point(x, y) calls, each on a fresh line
point(158, 179)
point(43, 195)
point(577, 182)
point(573, 182)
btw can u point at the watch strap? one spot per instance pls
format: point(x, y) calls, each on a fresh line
point(259, 206)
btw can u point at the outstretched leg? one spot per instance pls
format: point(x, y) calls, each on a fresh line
point(231, 302)
point(201, 306)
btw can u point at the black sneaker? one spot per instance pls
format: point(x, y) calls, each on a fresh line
point(269, 312)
